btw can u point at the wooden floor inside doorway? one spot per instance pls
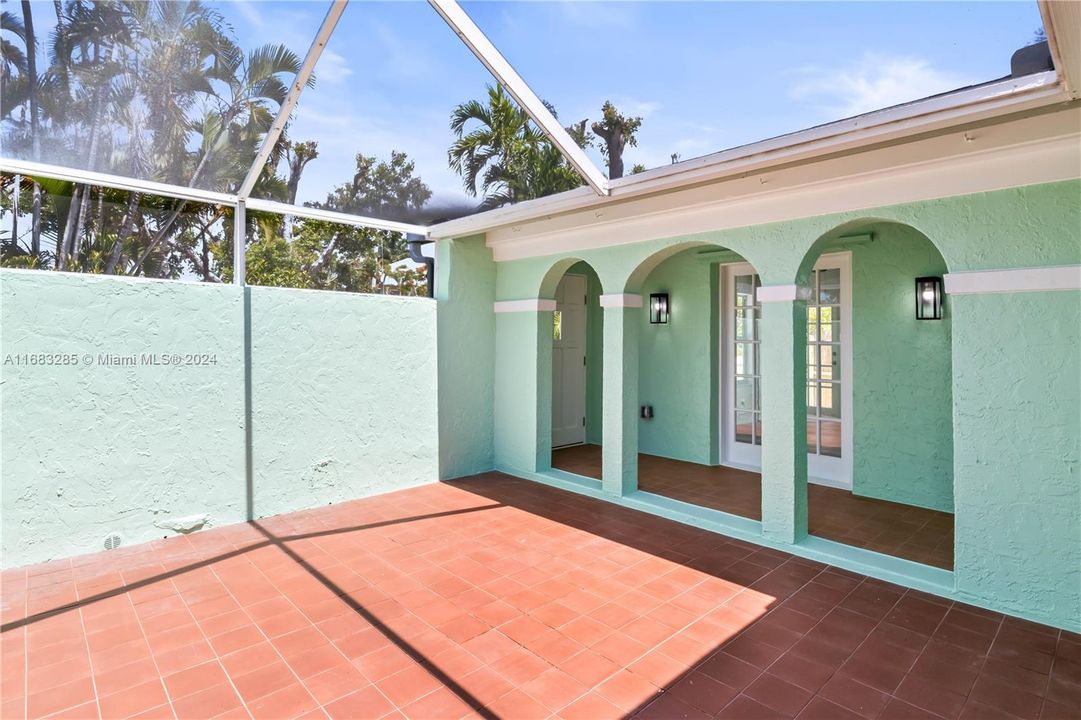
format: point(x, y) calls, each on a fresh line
point(904, 531)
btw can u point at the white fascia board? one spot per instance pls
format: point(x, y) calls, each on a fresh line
point(280, 208)
point(621, 300)
point(1062, 23)
point(463, 25)
point(531, 305)
point(970, 105)
point(87, 177)
point(1014, 280)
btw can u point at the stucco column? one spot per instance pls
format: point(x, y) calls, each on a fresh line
point(523, 385)
point(619, 436)
point(784, 413)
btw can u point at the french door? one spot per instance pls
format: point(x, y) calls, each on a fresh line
point(828, 370)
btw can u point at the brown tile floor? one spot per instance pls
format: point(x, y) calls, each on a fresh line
point(913, 533)
point(499, 598)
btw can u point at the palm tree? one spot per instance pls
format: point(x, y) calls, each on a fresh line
point(155, 90)
point(502, 155)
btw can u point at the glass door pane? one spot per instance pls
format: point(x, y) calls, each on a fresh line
point(746, 409)
point(824, 364)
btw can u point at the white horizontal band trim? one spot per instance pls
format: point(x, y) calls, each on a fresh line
point(783, 293)
point(533, 305)
point(624, 300)
point(1062, 277)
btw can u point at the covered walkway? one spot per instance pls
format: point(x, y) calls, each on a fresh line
point(913, 533)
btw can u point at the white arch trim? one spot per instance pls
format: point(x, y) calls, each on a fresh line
point(532, 305)
point(624, 300)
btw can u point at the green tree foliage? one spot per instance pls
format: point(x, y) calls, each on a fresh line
point(154, 90)
point(503, 157)
point(617, 131)
point(316, 254)
point(162, 91)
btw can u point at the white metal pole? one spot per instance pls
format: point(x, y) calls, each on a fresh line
point(239, 232)
point(333, 216)
point(486, 52)
point(337, 7)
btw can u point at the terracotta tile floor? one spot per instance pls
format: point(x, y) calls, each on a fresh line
point(497, 597)
point(913, 533)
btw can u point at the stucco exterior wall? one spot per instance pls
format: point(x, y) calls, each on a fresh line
point(674, 362)
point(344, 398)
point(1032, 226)
point(902, 444)
point(1017, 445)
point(465, 291)
point(343, 405)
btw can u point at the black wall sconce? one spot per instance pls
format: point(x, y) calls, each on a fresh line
point(658, 308)
point(929, 298)
point(646, 412)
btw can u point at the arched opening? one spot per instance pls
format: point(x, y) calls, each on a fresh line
point(696, 378)
point(879, 394)
point(576, 339)
point(699, 379)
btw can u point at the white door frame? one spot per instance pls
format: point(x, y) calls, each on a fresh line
point(572, 431)
point(821, 470)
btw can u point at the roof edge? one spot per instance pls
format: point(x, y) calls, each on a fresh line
point(996, 98)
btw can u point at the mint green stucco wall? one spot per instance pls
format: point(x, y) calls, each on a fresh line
point(343, 405)
point(674, 362)
point(465, 290)
point(1030, 226)
point(343, 396)
point(902, 444)
point(1017, 445)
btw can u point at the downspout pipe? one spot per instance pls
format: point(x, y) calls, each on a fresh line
point(413, 242)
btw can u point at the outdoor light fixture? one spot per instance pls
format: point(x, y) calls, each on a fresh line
point(929, 298)
point(658, 308)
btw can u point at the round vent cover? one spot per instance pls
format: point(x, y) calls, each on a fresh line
point(112, 541)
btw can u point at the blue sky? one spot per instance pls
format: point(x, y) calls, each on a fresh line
point(704, 76)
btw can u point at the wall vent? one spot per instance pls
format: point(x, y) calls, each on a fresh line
point(112, 541)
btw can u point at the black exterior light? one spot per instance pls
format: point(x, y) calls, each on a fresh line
point(929, 298)
point(658, 308)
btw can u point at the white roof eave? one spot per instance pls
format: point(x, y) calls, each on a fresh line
point(970, 104)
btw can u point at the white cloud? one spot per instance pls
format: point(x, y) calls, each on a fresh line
point(251, 14)
point(875, 82)
point(632, 107)
point(332, 68)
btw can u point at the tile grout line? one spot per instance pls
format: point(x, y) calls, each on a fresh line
point(89, 656)
point(202, 634)
point(251, 622)
point(986, 656)
point(314, 625)
point(1054, 661)
point(146, 639)
point(765, 671)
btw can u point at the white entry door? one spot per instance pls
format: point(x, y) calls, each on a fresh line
point(829, 371)
point(569, 362)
